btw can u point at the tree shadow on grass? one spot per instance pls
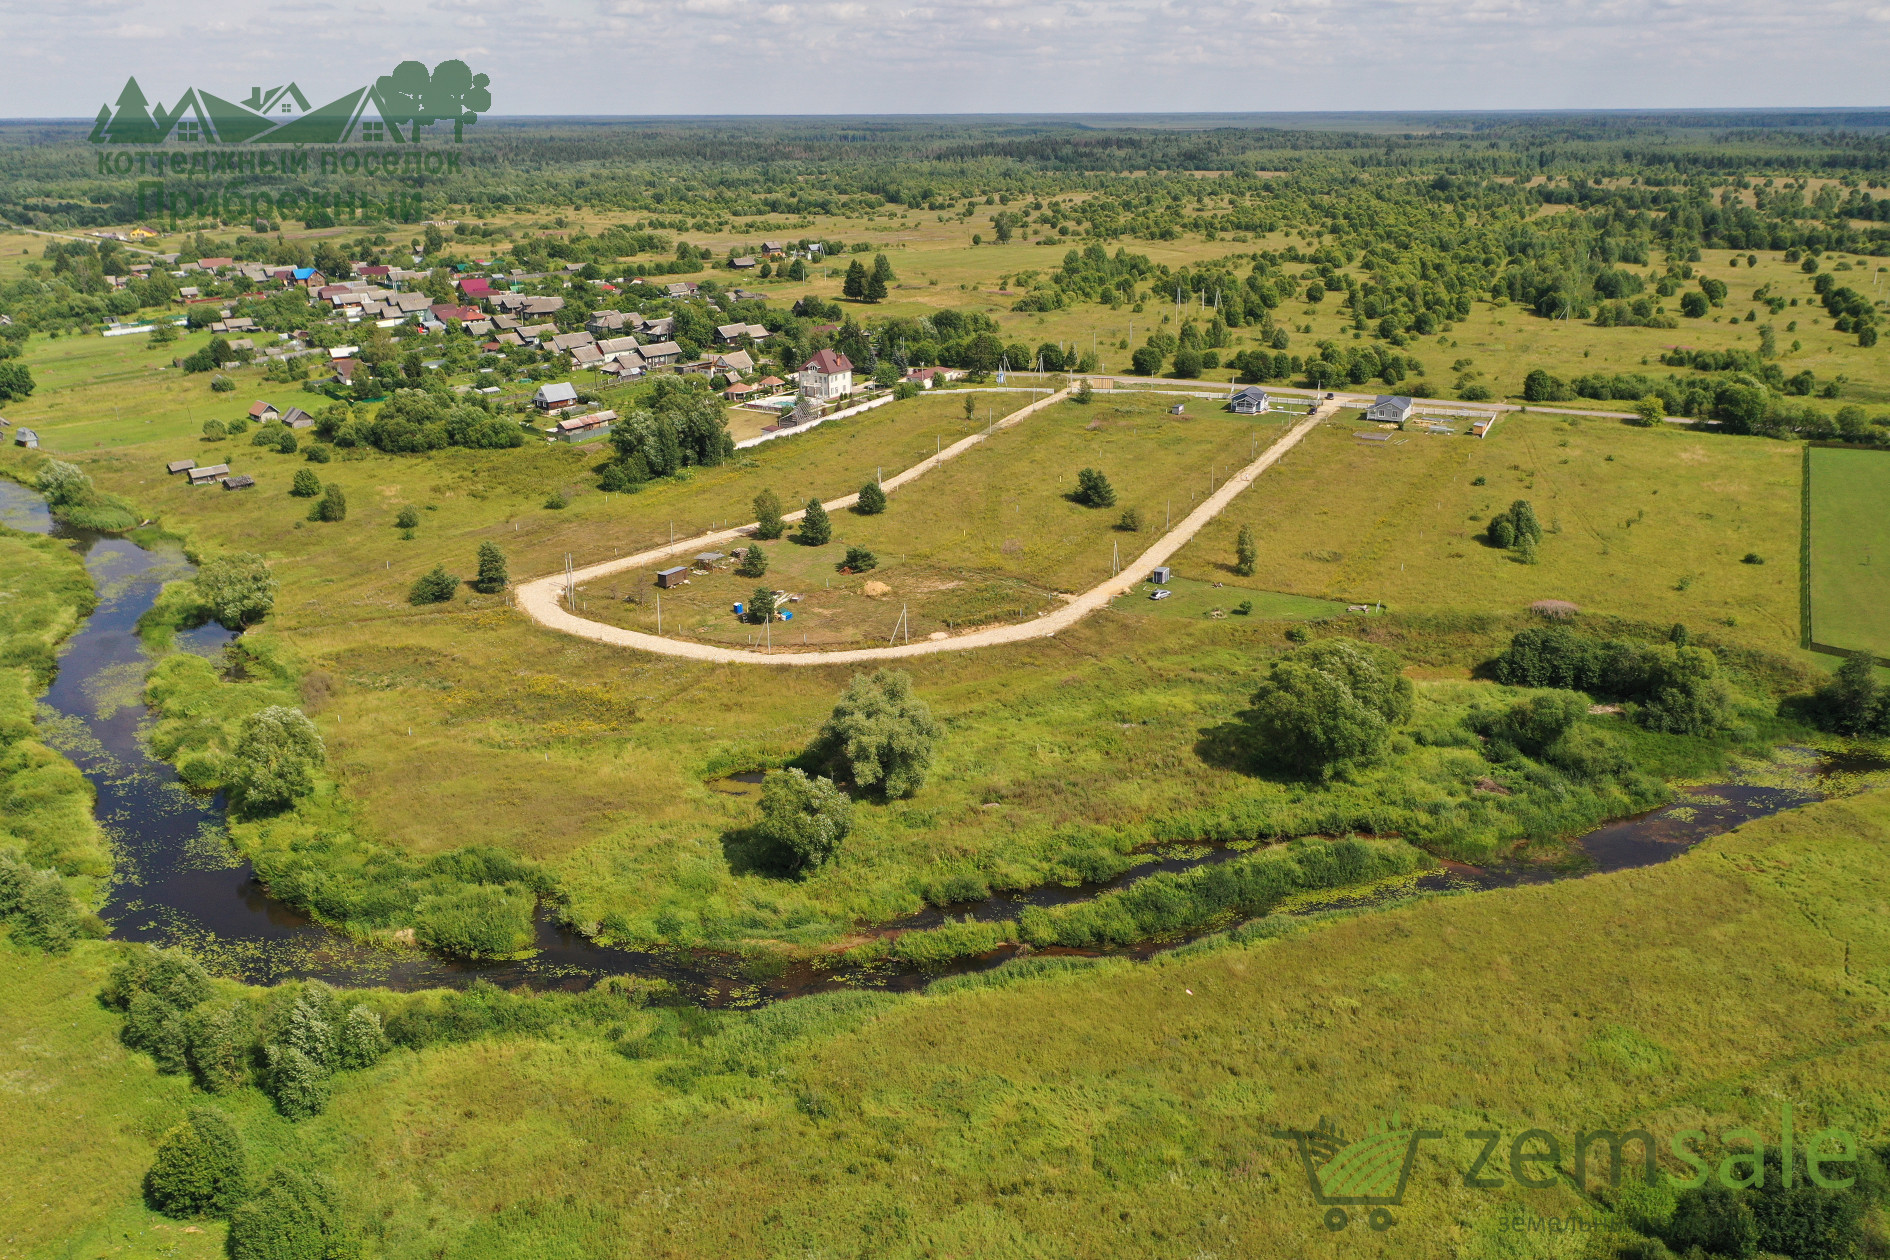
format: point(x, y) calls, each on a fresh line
point(749, 852)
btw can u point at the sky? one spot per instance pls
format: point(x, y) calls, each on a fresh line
point(695, 57)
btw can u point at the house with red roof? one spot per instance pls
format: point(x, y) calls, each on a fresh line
point(475, 288)
point(828, 375)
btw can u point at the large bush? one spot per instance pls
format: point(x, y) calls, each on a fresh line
point(275, 755)
point(37, 905)
point(806, 818)
point(881, 735)
point(294, 1216)
point(201, 1168)
point(237, 588)
point(1673, 688)
point(1328, 704)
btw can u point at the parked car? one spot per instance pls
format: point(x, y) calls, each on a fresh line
point(1161, 594)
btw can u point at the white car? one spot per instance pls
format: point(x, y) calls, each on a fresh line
point(1161, 594)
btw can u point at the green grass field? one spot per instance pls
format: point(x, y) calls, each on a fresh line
point(1850, 550)
point(967, 1122)
point(990, 536)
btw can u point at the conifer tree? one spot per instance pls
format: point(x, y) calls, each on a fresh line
point(1246, 552)
point(755, 563)
point(872, 500)
point(816, 528)
point(492, 572)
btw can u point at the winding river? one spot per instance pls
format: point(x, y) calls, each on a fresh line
point(178, 880)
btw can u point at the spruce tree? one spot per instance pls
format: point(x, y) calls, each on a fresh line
point(754, 563)
point(307, 484)
point(882, 269)
point(1522, 519)
point(1246, 552)
point(816, 528)
point(760, 606)
point(768, 523)
point(875, 288)
point(435, 587)
point(492, 572)
point(855, 284)
point(201, 1168)
point(872, 500)
point(1093, 489)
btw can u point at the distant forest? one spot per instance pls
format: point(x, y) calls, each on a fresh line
point(695, 174)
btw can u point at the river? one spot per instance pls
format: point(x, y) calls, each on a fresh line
point(178, 880)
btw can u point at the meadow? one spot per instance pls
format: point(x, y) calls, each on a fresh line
point(973, 1118)
point(1850, 537)
point(991, 536)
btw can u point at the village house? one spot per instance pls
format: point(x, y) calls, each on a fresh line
point(828, 375)
point(1390, 409)
point(263, 413)
point(583, 428)
point(1251, 401)
point(732, 333)
point(555, 397)
point(661, 353)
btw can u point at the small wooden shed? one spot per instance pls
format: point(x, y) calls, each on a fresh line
point(676, 576)
point(180, 465)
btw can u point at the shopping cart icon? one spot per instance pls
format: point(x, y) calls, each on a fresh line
point(1369, 1173)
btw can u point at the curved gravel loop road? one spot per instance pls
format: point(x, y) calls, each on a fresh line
point(541, 599)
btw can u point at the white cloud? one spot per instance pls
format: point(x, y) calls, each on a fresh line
point(647, 57)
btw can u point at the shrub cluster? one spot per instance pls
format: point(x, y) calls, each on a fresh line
point(1672, 688)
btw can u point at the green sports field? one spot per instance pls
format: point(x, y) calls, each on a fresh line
point(1850, 549)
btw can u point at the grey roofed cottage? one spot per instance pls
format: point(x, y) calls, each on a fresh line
point(616, 345)
point(204, 476)
point(543, 305)
point(1389, 408)
point(180, 465)
point(241, 482)
point(586, 356)
point(572, 340)
point(562, 394)
point(26, 438)
point(662, 352)
point(1250, 401)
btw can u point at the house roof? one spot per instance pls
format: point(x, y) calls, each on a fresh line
point(1401, 400)
point(827, 363)
point(446, 310)
point(180, 465)
point(661, 348)
point(738, 361)
point(261, 409)
point(475, 286)
point(1252, 391)
point(563, 391)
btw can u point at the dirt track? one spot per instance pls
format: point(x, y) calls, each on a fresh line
point(540, 599)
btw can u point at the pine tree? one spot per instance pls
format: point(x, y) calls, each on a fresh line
point(855, 283)
point(307, 484)
point(1522, 518)
point(816, 528)
point(201, 1168)
point(768, 523)
point(1093, 489)
point(760, 605)
point(1246, 552)
point(492, 572)
point(872, 500)
point(875, 287)
point(754, 563)
point(435, 587)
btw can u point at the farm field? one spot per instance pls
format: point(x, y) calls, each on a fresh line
point(1850, 538)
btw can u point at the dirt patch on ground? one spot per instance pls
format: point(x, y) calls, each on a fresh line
point(876, 590)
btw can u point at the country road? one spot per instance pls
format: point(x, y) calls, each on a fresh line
point(540, 599)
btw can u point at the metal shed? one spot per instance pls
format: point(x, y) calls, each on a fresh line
point(1160, 576)
point(676, 576)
